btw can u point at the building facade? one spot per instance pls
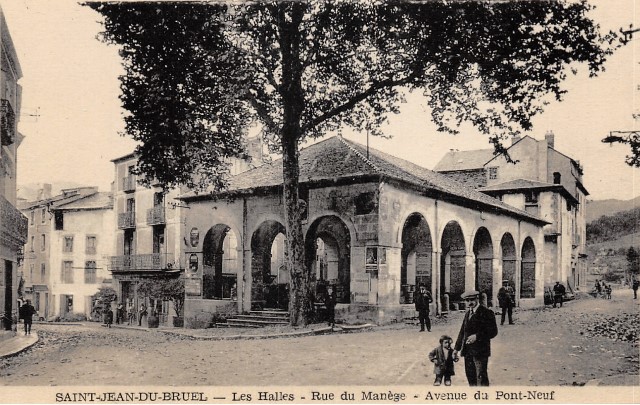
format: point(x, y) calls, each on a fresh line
point(13, 225)
point(69, 240)
point(542, 181)
point(375, 227)
point(148, 237)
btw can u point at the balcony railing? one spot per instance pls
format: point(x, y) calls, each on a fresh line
point(148, 262)
point(127, 220)
point(7, 123)
point(129, 184)
point(155, 216)
point(13, 225)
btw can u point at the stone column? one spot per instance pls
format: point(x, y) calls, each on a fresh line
point(470, 272)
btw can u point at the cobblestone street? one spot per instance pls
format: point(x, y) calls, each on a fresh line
point(544, 347)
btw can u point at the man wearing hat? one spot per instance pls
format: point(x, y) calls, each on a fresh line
point(474, 340)
point(422, 300)
point(506, 301)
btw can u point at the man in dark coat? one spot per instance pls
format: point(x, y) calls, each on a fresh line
point(27, 311)
point(558, 294)
point(506, 301)
point(330, 303)
point(474, 340)
point(635, 286)
point(422, 300)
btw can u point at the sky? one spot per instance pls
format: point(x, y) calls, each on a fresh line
point(72, 119)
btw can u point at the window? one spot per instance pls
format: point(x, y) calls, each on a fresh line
point(43, 242)
point(66, 277)
point(493, 173)
point(531, 198)
point(31, 269)
point(43, 272)
point(59, 220)
point(33, 241)
point(158, 199)
point(43, 215)
point(90, 272)
point(33, 217)
point(91, 245)
point(68, 244)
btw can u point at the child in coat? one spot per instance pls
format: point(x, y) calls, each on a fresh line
point(443, 357)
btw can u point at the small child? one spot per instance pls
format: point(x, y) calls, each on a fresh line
point(443, 357)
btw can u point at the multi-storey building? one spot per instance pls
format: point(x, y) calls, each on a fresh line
point(70, 239)
point(13, 225)
point(542, 181)
point(148, 235)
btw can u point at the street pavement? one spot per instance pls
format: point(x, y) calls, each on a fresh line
point(550, 346)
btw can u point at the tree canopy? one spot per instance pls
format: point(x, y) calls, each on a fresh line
point(198, 74)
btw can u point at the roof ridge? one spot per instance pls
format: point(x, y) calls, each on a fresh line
point(366, 160)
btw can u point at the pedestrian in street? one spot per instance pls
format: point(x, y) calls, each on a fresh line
point(330, 305)
point(635, 286)
point(109, 317)
point(119, 314)
point(131, 313)
point(608, 291)
point(558, 294)
point(27, 311)
point(474, 339)
point(506, 300)
point(443, 358)
point(598, 288)
point(422, 300)
point(142, 313)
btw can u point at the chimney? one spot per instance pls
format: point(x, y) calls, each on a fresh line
point(515, 139)
point(550, 137)
point(44, 192)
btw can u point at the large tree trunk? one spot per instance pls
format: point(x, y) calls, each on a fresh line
point(301, 296)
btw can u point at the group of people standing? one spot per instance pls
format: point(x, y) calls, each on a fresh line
point(474, 338)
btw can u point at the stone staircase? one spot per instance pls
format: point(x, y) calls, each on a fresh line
point(257, 319)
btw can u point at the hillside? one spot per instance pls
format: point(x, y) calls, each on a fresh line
point(612, 227)
point(598, 208)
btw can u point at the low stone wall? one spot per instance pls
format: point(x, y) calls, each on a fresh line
point(200, 314)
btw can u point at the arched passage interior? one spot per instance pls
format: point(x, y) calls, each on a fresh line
point(269, 279)
point(452, 263)
point(483, 251)
point(528, 270)
point(220, 263)
point(508, 249)
point(416, 257)
point(328, 250)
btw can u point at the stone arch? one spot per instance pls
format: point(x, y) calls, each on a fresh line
point(220, 262)
point(483, 252)
point(416, 256)
point(452, 263)
point(269, 279)
point(528, 269)
point(328, 255)
point(508, 253)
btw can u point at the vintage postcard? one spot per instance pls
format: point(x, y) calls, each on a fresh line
point(320, 202)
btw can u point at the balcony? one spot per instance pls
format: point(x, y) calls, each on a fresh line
point(13, 225)
point(127, 220)
point(155, 216)
point(148, 262)
point(7, 123)
point(129, 184)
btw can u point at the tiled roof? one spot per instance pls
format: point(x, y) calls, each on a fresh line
point(337, 157)
point(67, 196)
point(102, 200)
point(464, 160)
point(517, 185)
